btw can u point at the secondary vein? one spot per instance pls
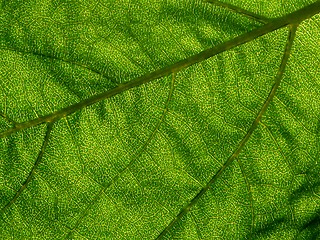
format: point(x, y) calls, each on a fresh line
point(32, 172)
point(241, 145)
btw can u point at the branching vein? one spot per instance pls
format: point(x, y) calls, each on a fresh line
point(241, 145)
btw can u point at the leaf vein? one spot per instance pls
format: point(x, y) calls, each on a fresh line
point(33, 170)
point(292, 18)
point(246, 138)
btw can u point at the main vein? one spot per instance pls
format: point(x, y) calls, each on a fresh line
point(292, 18)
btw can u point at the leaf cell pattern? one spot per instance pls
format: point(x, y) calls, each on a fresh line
point(203, 129)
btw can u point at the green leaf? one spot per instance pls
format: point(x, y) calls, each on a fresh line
point(160, 119)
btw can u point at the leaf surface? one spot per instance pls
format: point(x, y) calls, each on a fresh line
point(159, 120)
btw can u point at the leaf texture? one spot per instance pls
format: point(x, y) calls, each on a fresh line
point(159, 119)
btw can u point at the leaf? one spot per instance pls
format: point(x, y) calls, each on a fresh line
point(159, 120)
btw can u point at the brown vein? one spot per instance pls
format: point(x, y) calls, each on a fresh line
point(292, 18)
point(241, 145)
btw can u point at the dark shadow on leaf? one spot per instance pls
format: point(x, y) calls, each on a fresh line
point(308, 187)
point(311, 229)
point(268, 229)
